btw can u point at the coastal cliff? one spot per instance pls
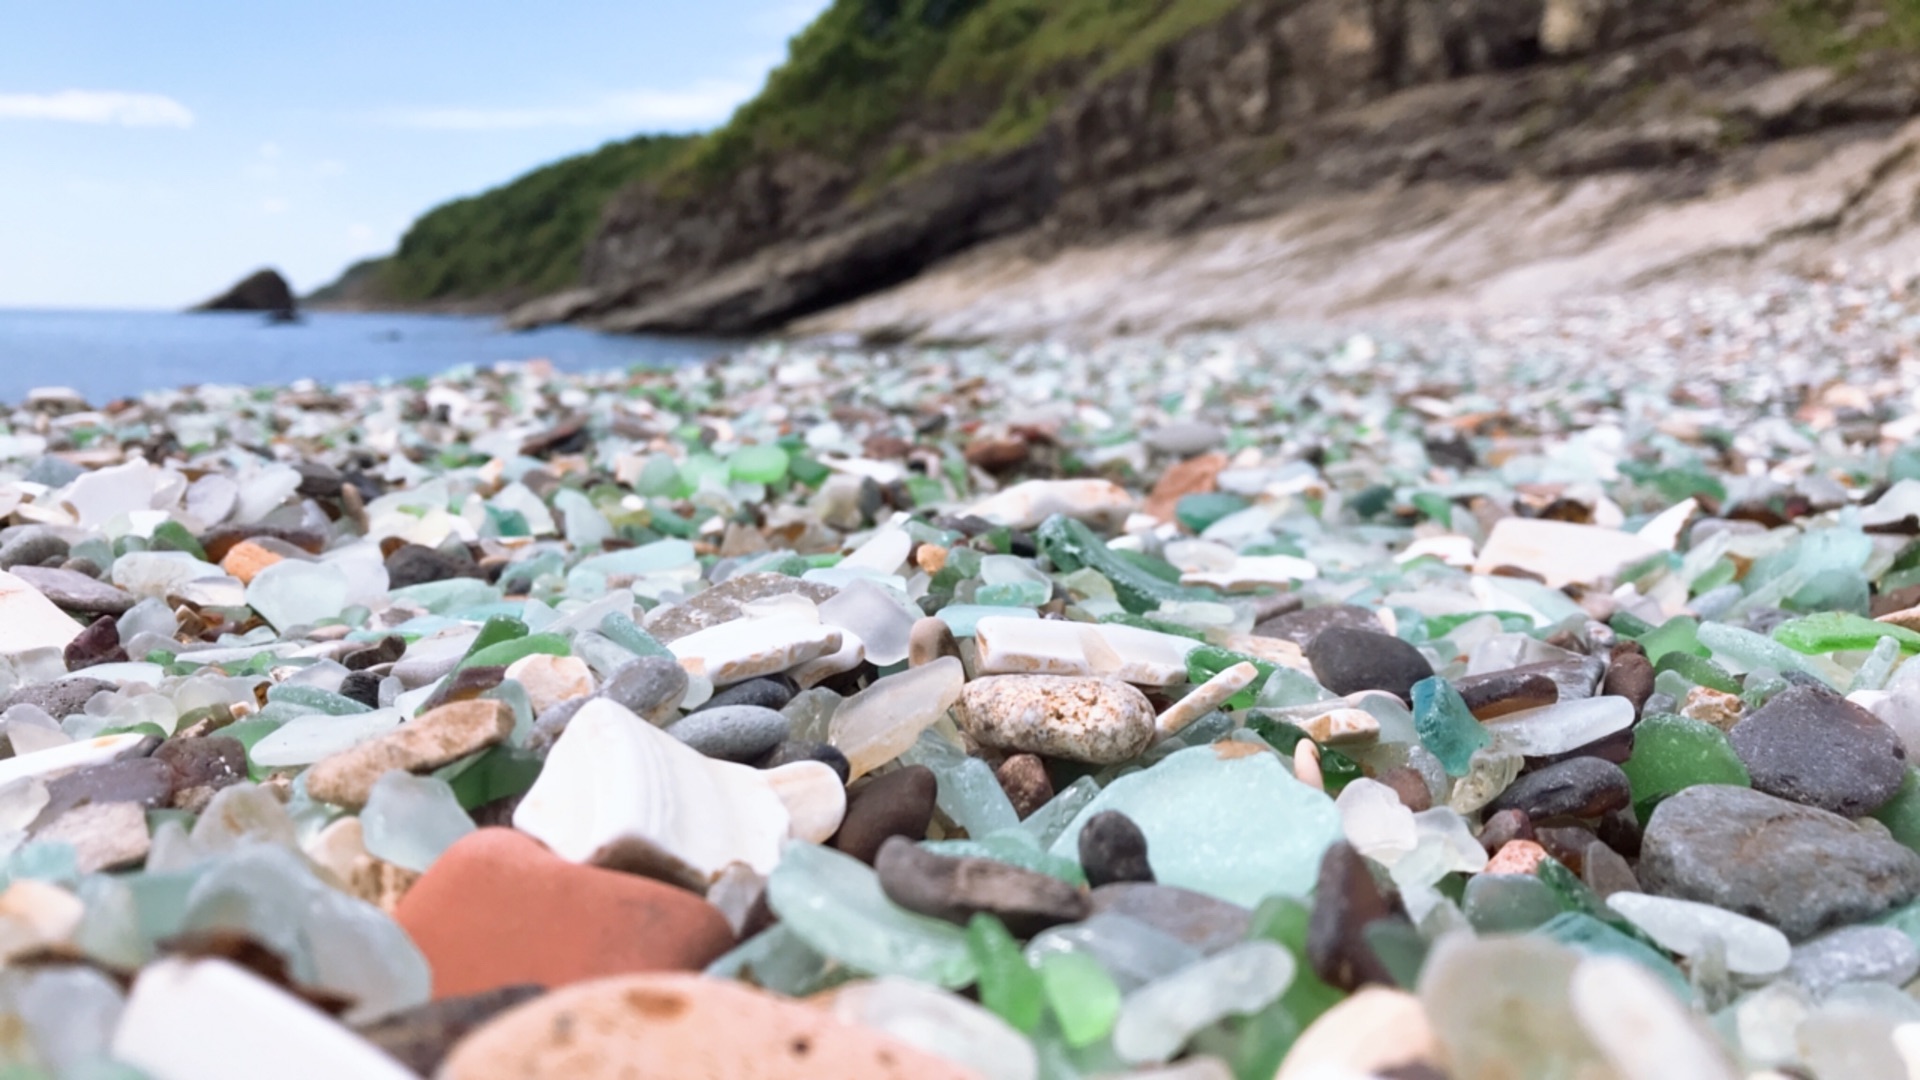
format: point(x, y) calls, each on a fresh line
point(967, 168)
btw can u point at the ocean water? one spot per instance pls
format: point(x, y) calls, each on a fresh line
point(107, 354)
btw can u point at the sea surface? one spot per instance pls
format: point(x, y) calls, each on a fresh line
point(110, 354)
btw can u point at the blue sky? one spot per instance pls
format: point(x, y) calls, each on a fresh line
point(153, 153)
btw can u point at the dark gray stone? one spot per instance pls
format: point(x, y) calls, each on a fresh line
point(420, 1037)
point(651, 686)
point(1113, 849)
point(1305, 624)
point(1582, 787)
point(1346, 900)
point(897, 804)
point(955, 890)
point(207, 761)
point(1347, 660)
point(31, 547)
point(1815, 747)
point(1798, 867)
point(740, 733)
point(794, 750)
point(771, 693)
point(145, 781)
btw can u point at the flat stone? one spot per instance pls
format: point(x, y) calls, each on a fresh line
point(439, 737)
point(186, 1019)
point(1302, 626)
point(1024, 778)
point(1501, 692)
point(59, 699)
point(1517, 857)
point(498, 909)
point(722, 603)
point(651, 687)
point(421, 1037)
point(1815, 747)
point(74, 591)
point(1346, 661)
point(1582, 787)
point(1098, 721)
point(768, 693)
point(955, 890)
point(682, 1026)
point(1797, 867)
point(104, 835)
point(617, 790)
point(144, 782)
point(899, 803)
point(740, 733)
point(1854, 954)
point(1346, 902)
point(1113, 849)
point(1013, 646)
point(1204, 922)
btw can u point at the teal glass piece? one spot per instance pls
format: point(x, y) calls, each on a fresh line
point(1590, 935)
point(1446, 728)
point(1071, 545)
point(312, 697)
point(628, 635)
point(1699, 671)
point(1197, 512)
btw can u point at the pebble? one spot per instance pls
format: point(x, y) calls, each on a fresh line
point(929, 640)
point(1113, 849)
point(1024, 779)
point(497, 910)
point(770, 693)
point(104, 835)
point(550, 680)
point(428, 741)
point(1348, 901)
point(955, 890)
point(1582, 787)
point(1195, 919)
point(1854, 954)
point(899, 803)
point(742, 733)
point(651, 687)
point(1379, 1031)
point(75, 591)
point(724, 602)
point(1797, 867)
point(1098, 721)
point(61, 698)
point(1498, 693)
point(681, 1026)
point(1815, 747)
point(1302, 626)
point(420, 1038)
point(815, 796)
point(1630, 676)
point(1348, 660)
point(145, 782)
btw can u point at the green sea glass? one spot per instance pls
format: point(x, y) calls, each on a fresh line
point(1084, 1000)
point(1009, 987)
point(1446, 727)
point(1673, 753)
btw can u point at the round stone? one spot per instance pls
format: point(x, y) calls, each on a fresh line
point(1582, 787)
point(1098, 721)
point(1112, 848)
point(1813, 746)
point(741, 733)
point(1348, 660)
point(897, 804)
point(1305, 624)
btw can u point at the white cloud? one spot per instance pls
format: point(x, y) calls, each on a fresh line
point(706, 102)
point(97, 107)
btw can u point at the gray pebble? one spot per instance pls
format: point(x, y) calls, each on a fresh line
point(1201, 921)
point(31, 547)
point(1854, 954)
point(769, 693)
point(60, 699)
point(1815, 747)
point(651, 686)
point(794, 750)
point(1798, 867)
point(1027, 901)
point(1112, 848)
point(75, 591)
point(740, 733)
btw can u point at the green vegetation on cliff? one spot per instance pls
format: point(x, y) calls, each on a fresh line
point(1842, 32)
point(964, 77)
point(518, 240)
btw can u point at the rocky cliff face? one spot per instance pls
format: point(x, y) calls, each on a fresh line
point(1262, 112)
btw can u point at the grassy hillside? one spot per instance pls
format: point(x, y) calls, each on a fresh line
point(851, 80)
point(520, 239)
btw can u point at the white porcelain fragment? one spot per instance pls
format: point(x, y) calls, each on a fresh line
point(742, 649)
point(1562, 552)
point(28, 620)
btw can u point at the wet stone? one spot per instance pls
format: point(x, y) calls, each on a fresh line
point(1501, 692)
point(1305, 624)
point(1347, 660)
point(1204, 922)
point(793, 750)
point(955, 890)
point(76, 592)
point(899, 803)
point(1798, 867)
point(741, 733)
point(1024, 778)
point(1346, 901)
point(1815, 747)
point(1113, 849)
point(773, 692)
point(1582, 787)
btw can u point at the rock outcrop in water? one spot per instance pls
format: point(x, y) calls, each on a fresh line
point(263, 290)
